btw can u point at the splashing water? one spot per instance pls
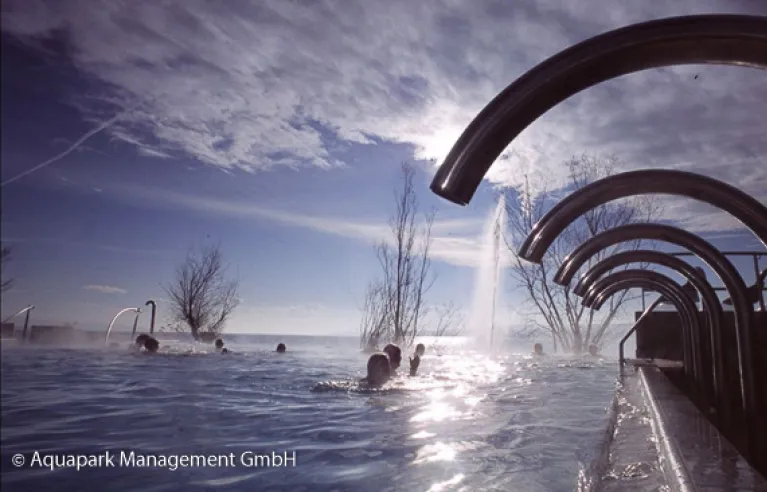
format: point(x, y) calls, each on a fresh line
point(487, 286)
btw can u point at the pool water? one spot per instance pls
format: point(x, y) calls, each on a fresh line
point(469, 421)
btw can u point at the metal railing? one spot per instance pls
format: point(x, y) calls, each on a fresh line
point(650, 308)
point(759, 275)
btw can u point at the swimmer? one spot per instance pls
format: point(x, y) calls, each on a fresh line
point(281, 348)
point(379, 369)
point(395, 355)
point(220, 346)
point(593, 350)
point(414, 363)
point(151, 345)
point(538, 349)
point(141, 339)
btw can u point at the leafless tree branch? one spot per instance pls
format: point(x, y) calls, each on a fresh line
point(557, 312)
point(202, 298)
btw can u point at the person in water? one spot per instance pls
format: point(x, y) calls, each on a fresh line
point(220, 346)
point(395, 356)
point(141, 339)
point(415, 361)
point(151, 345)
point(593, 350)
point(281, 348)
point(538, 349)
point(379, 369)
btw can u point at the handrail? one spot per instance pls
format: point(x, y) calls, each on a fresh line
point(650, 308)
point(27, 310)
point(111, 323)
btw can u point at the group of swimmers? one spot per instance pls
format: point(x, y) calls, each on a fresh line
point(383, 365)
point(151, 345)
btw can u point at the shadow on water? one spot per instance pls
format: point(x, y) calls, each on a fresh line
point(468, 421)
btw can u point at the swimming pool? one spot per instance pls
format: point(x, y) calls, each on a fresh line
point(468, 422)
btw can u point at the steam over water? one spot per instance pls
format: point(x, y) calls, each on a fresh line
point(468, 422)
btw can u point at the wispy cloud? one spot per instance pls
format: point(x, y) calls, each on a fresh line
point(454, 241)
point(105, 289)
point(98, 129)
point(82, 244)
point(223, 83)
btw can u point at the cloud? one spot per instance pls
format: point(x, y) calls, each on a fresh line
point(81, 244)
point(255, 85)
point(275, 83)
point(105, 289)
point(454, 241)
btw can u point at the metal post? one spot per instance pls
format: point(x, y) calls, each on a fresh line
point(154, 310)
point(26, 325)
point(135, 323)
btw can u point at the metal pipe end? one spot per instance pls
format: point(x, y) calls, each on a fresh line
point(580, 288)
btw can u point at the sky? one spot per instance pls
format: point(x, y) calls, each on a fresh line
point(133, 131)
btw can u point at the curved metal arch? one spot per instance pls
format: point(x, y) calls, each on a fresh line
point(711, 306)
point(697, 39)
point(712, 257)
point(154, 311)
point(111, 323)
point(606, 286)
point(728, 198)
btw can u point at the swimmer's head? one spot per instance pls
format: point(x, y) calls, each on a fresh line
point(420, 349)
point(281, 348)
point(538, 349)
point(593, 349)
point(151, 344)
point(219, 343)
point(395, 355)
point(141, 339)
point(379, 369)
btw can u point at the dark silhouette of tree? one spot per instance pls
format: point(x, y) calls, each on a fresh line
point(394, 304)
point(202, 298)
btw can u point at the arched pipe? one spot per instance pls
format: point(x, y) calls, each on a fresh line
point(28, 311)
point(728, 198)
point(698, 39)
point(111, 323)
point(713, 258)
point(154, 310)
point(606, 286)
point(711, 305)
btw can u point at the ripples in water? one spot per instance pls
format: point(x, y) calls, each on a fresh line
point(468, 421)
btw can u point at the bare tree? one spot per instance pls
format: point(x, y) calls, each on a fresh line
point(394, 304)
point(5, 256)
point(557, 312)
point(448, 321)
point(375, 317)
point(202, 297)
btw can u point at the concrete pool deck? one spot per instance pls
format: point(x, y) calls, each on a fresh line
point(657, 439)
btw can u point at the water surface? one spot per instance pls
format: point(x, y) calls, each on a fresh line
point(469, 421)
